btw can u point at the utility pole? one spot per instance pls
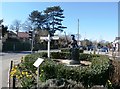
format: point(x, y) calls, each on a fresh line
point(78, 34)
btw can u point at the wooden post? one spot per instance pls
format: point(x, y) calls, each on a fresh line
point(14, 79)
point(38, 78)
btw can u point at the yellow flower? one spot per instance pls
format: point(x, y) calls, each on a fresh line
point(23, 73)
point(20, 76)
point(42, 70)
point(40, 75)
point(36, 72)
point(15, 66)
point(11, 72)
point(11, 76)
point(30, 75)
point(109, 82)
point(27, 76)
point(26, 73)
point(15, 71)
point(17, 76)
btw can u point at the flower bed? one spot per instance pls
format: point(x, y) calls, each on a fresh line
point(95, 74)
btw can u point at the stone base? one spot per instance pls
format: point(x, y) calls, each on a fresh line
point(71, 62)
point(68, 62)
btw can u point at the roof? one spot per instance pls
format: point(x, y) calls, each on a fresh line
point(117, 38)
point(23, 35)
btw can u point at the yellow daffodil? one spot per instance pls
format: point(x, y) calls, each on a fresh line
point(27, 76)
point(11, 76)
point(23, 73)
point(109, 82)
point(20, 76)
point(30, 75)
point(15, 66)
point(15, 71)
point(26, 73)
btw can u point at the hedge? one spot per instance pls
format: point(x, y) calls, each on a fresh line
point(16, 46)
point(68, 50)
point(96, 74)
point(60, 55)
point(88, 57)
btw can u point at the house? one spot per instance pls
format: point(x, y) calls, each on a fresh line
point(23, 36)
point(116, 43)
point(11, 34)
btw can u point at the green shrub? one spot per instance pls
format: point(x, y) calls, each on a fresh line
point(96, 74)
point(81, 50)
point(65, 50)
point(28, 60)
point(68, 50)
point(89, 57)
point(99, 73)
point(60, 55)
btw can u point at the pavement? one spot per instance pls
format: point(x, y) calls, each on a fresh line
point(5, 59)
point(109, 54)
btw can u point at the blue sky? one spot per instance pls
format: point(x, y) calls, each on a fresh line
point(98, 20)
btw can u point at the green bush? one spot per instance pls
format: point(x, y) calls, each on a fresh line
point(60, 55)
point(16, 46)
point(89, 57)
point(28, 60)
point(83, 56)
point(68, 50)
point(95, 74)
point(81, 50)
point(65, 50)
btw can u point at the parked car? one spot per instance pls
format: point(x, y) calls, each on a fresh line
point(82, 47)
point(104, 49)
point(90, 48)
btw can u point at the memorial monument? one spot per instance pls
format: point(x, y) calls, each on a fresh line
point(74, 50)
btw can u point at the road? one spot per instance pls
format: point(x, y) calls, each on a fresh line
point(5, 59)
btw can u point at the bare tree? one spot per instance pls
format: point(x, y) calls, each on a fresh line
point(16, 26)
point(27, 26)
